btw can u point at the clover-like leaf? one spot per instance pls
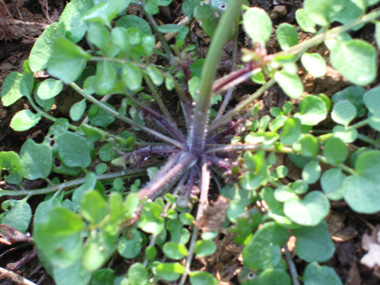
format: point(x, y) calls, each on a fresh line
point(291, 131)
point(67, 61)
point(356, 60)
point(73, 150)
point(93, 207)
point(311, 172)
point(174, 250)
point(18, 216)
point(331, 183)
point(24, 120)
point(257, 24)
point(138, 274)
point(170, 271)
point(312, 110)
point(130, 248)
point(132, 76)
point(309, 211)
point(59, 237)
point(202, 278)
point(305, 23)
point(343, 112)
point(36, 160)
point(322, 12)
point(204, 248)
point(290, 83)
point(335, 150)
point(49, 88)
point(314, 243)
point(317, 274)
point(287, 36)
point(362, 190)
point(264, 248)
point(314, 64)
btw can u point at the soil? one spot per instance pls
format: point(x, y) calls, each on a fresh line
point(22, 21)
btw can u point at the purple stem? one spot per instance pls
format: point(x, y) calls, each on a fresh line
point(227, 131)
point(169, 126)
point(168, 175)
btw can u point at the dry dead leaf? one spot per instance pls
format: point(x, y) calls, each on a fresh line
point(371, 243)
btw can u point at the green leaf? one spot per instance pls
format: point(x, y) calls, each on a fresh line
point(59, 237)
point(77, 110)
point(347, 136)
point(73, 150)
point(257, 173)
point(377, 34)
point(10, 161)
point(105, 11)
point(355, 60)
point(132, 76)
point(24, 120)
point(71, 17)
point(130, 21)
point(155, 75)
point(204, 248)
point(314, 64)
point(272, 276)
point(105, 276)
point(362, 190)
point(174, 250)
point(283, 193)
point(264, 249)
point(257, 25)
point(312, 110)
point(43, 47)
point(246, 224)
point(290, 83)
point(352, 10)
point(311, 172)
point(291, 131)
point(150, 220)
point(105, 78)
point(100, 117)
point(305, 23)
point(67, 61)
point(314, 243)
point(322, 12)
point(151, 6)
point(335, 150)
point(36, 160)
point(287, 36)
point(309, 145)
point(130, 248)
point(74, 274)
point(99, 35)
point(317, 274)
point(300, 187)
point(137, 274)
point(371, 98)
point(331, 183)
point(17, 85)
point(93, 207)
point(88, 185)
point(343, 112)
point(188, 7)
point(354, 94)
point(307, 212)
point(169, 271)
point(202, 278)
point(150, 252)
point(49, 88)
point(18, 216)
point(98, 248)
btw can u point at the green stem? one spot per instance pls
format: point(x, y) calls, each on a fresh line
point(72, 183)
point(358, 125)
point(124, 119)
point(224, 29)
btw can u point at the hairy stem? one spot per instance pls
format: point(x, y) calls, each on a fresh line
point(168, 175)
point(224, 29)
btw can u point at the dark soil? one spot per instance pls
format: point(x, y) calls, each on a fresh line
point(21, 22)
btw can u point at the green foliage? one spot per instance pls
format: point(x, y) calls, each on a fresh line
point(91, 211)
